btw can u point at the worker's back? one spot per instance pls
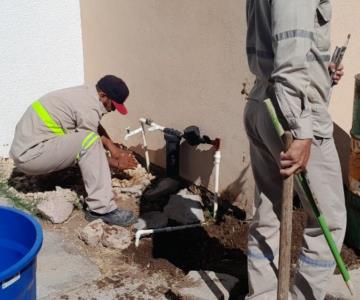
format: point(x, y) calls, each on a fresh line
point(71, 109)
point(295, 52)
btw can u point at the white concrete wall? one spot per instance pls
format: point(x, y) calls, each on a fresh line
point(40, 50)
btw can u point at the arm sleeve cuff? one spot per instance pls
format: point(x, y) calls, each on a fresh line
point(301, 128)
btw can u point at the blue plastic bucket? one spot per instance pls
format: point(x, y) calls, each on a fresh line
point(20, 241)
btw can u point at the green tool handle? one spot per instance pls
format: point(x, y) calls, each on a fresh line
point(303, 180)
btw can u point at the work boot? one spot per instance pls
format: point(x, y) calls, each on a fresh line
point(117, 217)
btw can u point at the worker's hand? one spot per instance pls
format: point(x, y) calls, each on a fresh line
point(120, 158)
point(295, 159)
point(123, 163)
point(126, 161)
point(336, 73)
point(125, 158)
point(119, 153)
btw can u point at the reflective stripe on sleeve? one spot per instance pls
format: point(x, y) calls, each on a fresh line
point(87, 138)
point(91, 142)
point(294, 34)
point(87, 142)
point(46, 118)
point(322, 57)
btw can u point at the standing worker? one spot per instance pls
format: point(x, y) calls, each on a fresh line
point(61, 129)
point(288, 48)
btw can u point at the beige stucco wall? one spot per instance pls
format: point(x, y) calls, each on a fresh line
point(185, 64)
point(346, 20)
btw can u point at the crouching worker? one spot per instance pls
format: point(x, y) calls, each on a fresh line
point(62, 129)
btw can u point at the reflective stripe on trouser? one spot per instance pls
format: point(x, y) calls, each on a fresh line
point(60, 152)
point(316, 263)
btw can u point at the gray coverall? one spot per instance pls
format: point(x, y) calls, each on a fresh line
point(288, 44)
point(60, 130)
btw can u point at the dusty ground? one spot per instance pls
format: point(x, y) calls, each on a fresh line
point(218, 246)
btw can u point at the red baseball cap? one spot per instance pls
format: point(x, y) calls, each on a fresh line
point(116, 90)
point(120, 107)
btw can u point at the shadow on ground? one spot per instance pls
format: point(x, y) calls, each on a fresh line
point(69, 178)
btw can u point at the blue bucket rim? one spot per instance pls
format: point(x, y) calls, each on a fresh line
point(25, 261)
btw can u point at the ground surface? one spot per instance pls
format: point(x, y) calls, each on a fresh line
point(155, 269)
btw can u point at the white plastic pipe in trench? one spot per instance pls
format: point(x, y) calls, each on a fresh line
point(217, 158)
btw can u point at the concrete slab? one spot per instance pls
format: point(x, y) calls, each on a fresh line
point(133, 287)
point(60, 267)
point(337, 289)
point(6, 202)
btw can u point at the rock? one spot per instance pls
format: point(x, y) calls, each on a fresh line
point(6, 168)
point(138, 176)
point(185, 208)
point(92, 233)
point(206, 285)
point(55, 207)
point(153, 219)
point(12, 190)
point(67, 194)
point(116, 237)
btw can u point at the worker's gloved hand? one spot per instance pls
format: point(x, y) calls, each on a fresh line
point(296, 158)
point(336, 73)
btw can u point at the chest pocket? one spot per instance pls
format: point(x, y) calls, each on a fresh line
point(322, 25)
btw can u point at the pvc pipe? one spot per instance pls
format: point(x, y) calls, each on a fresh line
point(147, 159)
point(142, 232)
point(217, 158)
point(152, 125)
point(131, 133)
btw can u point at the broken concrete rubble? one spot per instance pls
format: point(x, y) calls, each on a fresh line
point(115, 237)
point(133, 186)
point(6, 168)
point(97, 231)
point(92, 233)
point(58, 205)
point(138, 176)
point(135, 191)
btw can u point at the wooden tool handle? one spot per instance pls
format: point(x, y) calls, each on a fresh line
point(285, 230)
